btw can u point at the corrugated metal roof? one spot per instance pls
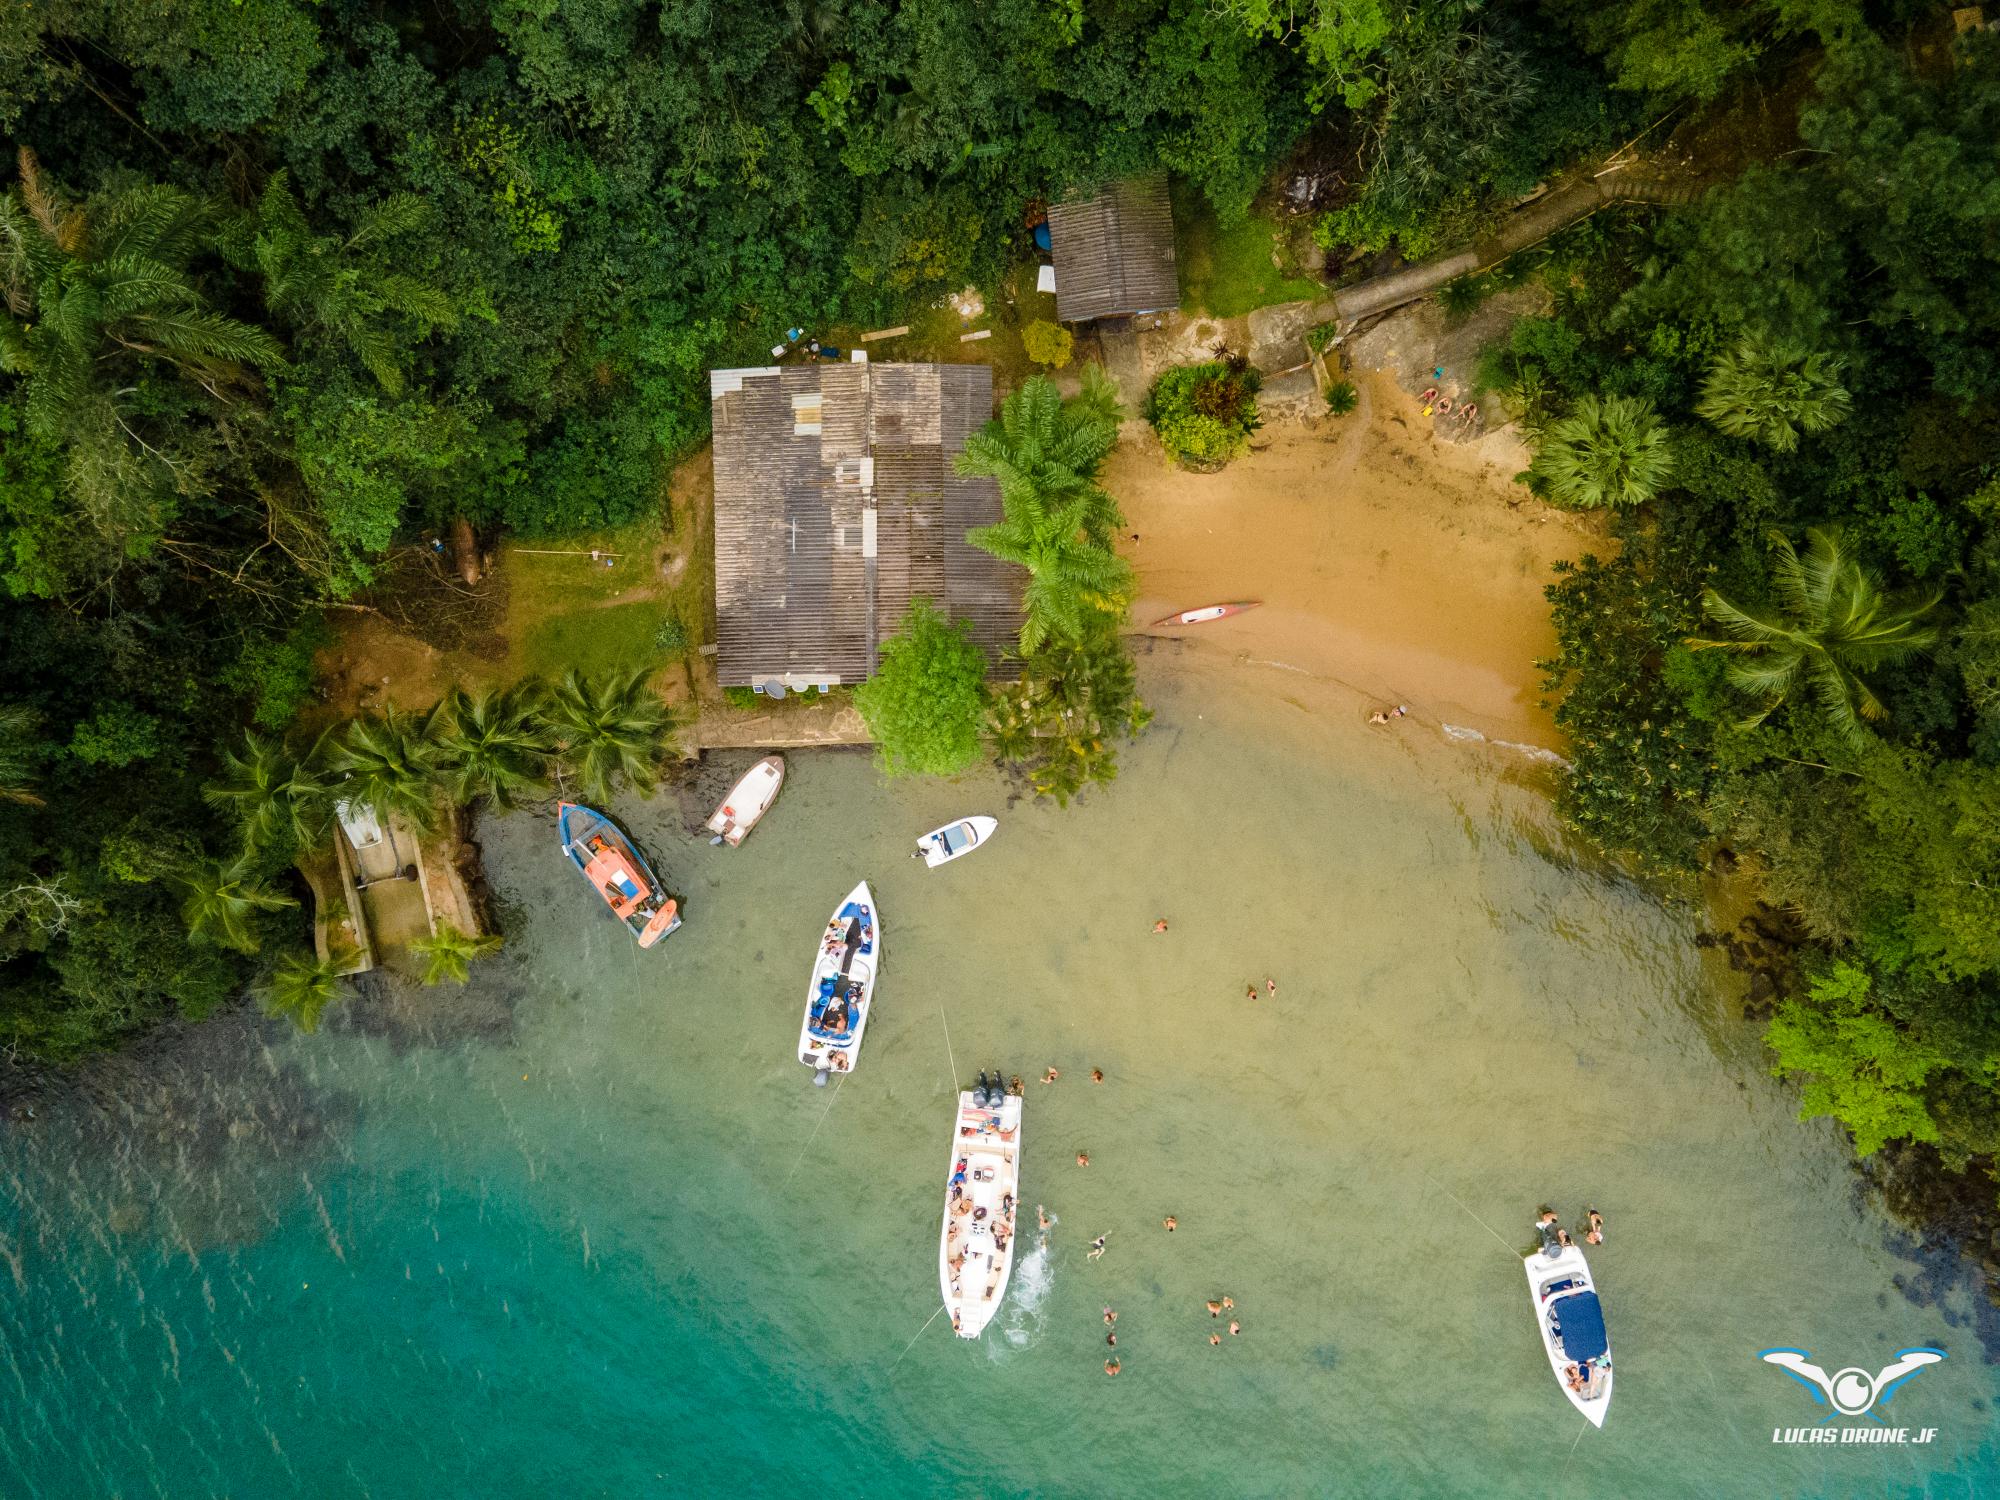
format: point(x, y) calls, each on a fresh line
point(797, 594)
point(1114, 253)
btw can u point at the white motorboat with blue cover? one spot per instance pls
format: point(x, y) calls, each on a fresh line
point(841, 994)
point(943, 845)
point(1571, 1321)
point(982, 1197)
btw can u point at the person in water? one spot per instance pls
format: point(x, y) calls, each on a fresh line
point(1563, 1239)
point(1160, 925)
point(1271, 988)
point(1111, 1365)
point(1110, 1317)
point(1051, 1076)
point(1596, 1235)
point(1171, 1222)
point(1234, 1327)
point(1041, 1218)
point(1214, 1339)
point(1097, 1247)
point(1083, 1158)
point(1111, 1339)
point(1097, 1075)
point(1228, 1304)
point(1214, 1308)
point(1250, 991)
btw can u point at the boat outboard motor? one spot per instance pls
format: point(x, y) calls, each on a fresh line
point(979, 1091)
point(819, 1077)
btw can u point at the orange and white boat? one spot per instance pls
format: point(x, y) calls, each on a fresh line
point(747, 801)
point(1208, 612)
point(618, 872)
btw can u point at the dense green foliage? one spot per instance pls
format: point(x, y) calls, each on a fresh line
point(926, 703)
point(1204, 414)
point(1820, 345)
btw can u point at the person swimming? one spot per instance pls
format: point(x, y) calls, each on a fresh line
point(1097, 1247)
point(1596, 1235)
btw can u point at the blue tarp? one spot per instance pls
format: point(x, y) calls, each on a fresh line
point(1582, 1322)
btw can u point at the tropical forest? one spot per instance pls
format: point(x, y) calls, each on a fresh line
point(299, 290)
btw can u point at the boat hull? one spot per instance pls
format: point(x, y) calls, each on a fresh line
point(613, 866)
point(956, 840)
point(982, 1202)
point(1557, 1280)
point(737, 814)
point(840, 996)
point(1207, 614)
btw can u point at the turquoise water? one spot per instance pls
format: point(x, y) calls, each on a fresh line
point(587, 1229)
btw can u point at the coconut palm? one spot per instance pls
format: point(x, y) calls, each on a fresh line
point(448, 953)
point(1045, 446)
point(19, 758)
point(390, 764)
point(302, 986)
point(272, 794)
point(608, 726)
point(1771, 392)
point(1608, 450)
point(492, 744)
point(1073, 580)
point(220, 898)
point(1833, 622)
point(110, 277)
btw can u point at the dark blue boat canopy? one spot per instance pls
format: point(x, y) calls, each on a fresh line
point(1582, 1321)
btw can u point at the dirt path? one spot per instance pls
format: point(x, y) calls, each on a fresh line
point(1407, 568)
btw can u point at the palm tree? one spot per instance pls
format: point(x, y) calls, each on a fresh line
point(390, 764)
point(1833, 623)
point(1073, 580)
point(345, 289)
point(302, 986)
point(1771, 392)
point(1609, 450)
point(492, 744)
point(104, 278)
point(1044, 445)
point(20, 759)
point(448, 953)
point(607, 726)
point(221, 898)
point(273, 794)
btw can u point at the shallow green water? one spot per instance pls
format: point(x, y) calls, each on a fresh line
point(625, 1248)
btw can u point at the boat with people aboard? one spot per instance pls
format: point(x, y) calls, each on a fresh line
point(606, 856)
point(1207, 612)
point(1571, 1321)
point(943, 845)
point(738, 813)
point(841, 993)
point(982, 1199)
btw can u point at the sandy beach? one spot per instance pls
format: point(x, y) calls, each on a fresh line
point(1402, 566)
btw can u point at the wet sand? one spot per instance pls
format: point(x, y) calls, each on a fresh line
point(1404, 567)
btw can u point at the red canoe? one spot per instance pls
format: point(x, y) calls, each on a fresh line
point(1208, 612)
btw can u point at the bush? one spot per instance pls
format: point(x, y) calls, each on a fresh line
point(1342, 397)
point(1047, 343)
point(926, 704)
point(1204, 414)
point(671, 638)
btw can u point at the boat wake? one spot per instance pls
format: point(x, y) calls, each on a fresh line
point(1022, 1317)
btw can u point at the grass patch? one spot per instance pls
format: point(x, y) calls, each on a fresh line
point(592, 640)
point(1226, 272)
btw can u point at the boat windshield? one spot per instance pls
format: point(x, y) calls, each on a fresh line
point(956, 838)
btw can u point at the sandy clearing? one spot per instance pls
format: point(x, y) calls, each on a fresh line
point(1407, 568)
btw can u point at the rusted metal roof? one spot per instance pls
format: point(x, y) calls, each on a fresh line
point(1114, 253)
point(836, 505)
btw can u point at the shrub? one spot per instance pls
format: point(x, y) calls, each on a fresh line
point(926, 704)
point(1047, 343)
point(671, 638)
point(1342, 397)
point(1204, 414)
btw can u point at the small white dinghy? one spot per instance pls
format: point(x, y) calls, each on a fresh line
point(982, 1197)
point(1572, 1325)
point(841, 995)
point(943, 845)
point(747, 801)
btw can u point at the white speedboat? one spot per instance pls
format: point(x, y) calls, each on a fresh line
point(982, 1198)
point(943, 845)
point(1572, 1326)
point(842, 992)
point(747, 801)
